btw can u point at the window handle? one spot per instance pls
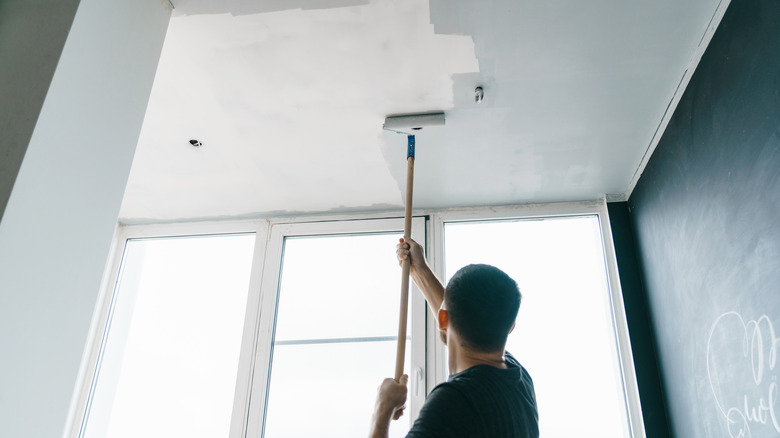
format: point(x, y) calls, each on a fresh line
point(418, 381)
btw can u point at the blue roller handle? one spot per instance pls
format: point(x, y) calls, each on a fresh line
point(410, 147)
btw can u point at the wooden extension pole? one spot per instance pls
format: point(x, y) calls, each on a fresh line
point(401, 347)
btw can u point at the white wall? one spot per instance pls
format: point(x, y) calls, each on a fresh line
point(32, 34)
point(56, 230)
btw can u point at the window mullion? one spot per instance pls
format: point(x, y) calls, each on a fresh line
point(264, 335)
point(247, 357)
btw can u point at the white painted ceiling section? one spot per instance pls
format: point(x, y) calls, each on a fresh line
point(289, 96)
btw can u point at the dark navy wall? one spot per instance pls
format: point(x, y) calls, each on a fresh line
point(640, 330)
point(706, 214)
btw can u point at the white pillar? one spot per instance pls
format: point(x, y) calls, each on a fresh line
point(32, 34)
point(57, 226)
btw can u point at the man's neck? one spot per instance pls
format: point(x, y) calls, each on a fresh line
point(463, 358)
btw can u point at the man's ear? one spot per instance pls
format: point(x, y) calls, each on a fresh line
point(444, 319)
point(513, 327)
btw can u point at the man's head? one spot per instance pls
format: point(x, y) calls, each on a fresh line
point(481, 303)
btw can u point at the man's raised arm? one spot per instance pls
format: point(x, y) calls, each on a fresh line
point(421, 273)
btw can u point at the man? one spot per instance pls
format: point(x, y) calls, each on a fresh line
point(488, 394)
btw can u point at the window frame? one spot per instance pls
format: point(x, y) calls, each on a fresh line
point(635, 420)
point(264, 347)
point(253, 372)
point(104, 307)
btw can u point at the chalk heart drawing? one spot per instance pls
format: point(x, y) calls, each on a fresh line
point(742, 372)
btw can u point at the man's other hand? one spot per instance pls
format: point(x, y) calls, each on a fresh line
point(391, 397)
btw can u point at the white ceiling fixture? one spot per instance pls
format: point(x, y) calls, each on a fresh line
point(292, 95)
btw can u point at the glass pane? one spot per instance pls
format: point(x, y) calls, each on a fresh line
point(171, 355)
point(334, 384)
point(339, 287)
point(564, 334)
point(336, 324)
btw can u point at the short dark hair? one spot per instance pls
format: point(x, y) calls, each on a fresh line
point(482, 303)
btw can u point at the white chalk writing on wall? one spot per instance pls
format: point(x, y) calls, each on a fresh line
point(741, 360)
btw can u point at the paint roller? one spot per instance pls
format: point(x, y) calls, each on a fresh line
point(409, 125)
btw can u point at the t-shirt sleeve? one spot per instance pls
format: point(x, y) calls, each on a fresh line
point(446, 413)
point(511, 361)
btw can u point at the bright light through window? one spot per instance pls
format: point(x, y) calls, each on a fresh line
point(170, 357)
point(335, 337)
point(565, 334)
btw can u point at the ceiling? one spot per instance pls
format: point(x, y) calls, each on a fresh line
point(288, 98)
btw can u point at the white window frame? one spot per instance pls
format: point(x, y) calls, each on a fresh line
point(252, 382)
point(104, 306)
point(598, 208)
point(270, 286)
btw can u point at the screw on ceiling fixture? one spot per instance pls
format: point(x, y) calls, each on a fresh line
point(479, 94)
point(195, 143)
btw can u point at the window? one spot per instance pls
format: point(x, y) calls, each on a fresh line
point(171, 349)
point(336, 331)
point(335, 327)
point(565, 333)
point(235, 336)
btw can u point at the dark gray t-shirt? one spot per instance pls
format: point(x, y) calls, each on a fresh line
point(482, 401)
